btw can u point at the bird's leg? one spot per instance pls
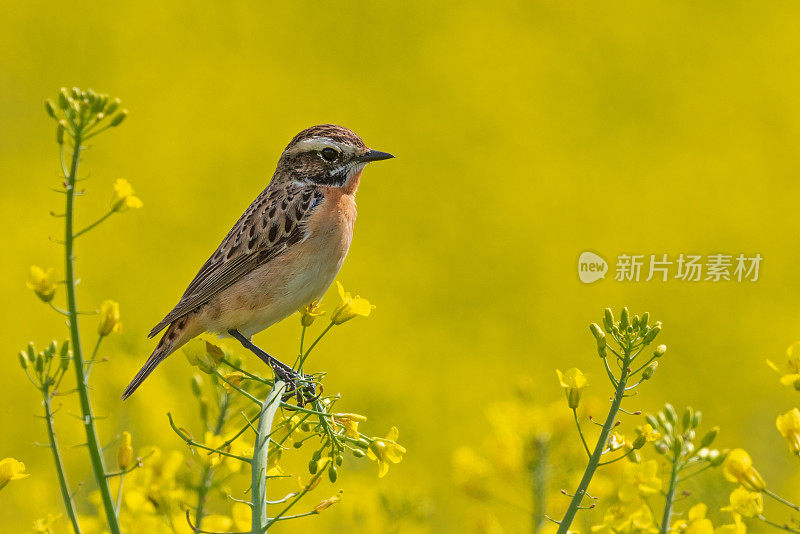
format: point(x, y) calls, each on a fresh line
point(282, 371)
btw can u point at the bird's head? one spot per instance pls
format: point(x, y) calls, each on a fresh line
point(327, 155)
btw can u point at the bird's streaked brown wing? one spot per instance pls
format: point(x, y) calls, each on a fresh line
point(272, 223)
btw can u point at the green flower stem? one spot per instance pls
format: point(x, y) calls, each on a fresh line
point(781, 500)
point(594, 460)
point(208, 475)
point(66, 494)
point(258, 489)
point(314, 344)
point(98, 221)
point(674, 478)
point(580, 432)
point(541, 445)
point(92, 440)
point(785, 527)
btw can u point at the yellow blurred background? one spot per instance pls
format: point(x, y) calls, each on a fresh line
point(525, 133)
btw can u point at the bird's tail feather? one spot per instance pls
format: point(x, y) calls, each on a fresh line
point(176, 336)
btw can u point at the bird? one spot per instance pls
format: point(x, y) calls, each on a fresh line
point(283, 252)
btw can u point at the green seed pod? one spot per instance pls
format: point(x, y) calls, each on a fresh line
point(312, 467)
point(624, 319)
point(333, 474)
point(643, 320)
point(688, 415)
point(670, 413)
point(608, 318)
point(698, 417)
point(23, 359)
point(118, 118)
point(358, 453)
point(649, 371)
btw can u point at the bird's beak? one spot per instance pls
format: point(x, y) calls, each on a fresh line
point(374, 155)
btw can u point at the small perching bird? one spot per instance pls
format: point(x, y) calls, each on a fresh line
point(282, 254)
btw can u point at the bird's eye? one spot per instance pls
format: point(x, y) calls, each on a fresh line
point(329, 154)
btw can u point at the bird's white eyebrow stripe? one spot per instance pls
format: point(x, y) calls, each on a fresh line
point(316, 143)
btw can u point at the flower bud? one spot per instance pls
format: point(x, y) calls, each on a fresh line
point(23, 359)
point(652, 421)
point(118, 118)
point(660, 351)
point(652, 333)
point(670, 413)
point(358, 453)
point(197, 385)
point(50, 108)
point(643, 320)
point(125, 452)
point(596, 331)
point(635, 322)
point(339, 460)
point(312, 467)
point(639, 442)
point(688, 415)
point(112, 106)
point(608, 319)
point(649, 371)
point(697, 418)
point(624, 319)
point(709, 438)
point(717, 460)
point(63, 99)
point(333, 473)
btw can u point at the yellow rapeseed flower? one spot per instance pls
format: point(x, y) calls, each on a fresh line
point(11, 469)
point(232, 380)
point(471, 472)
point(45, 525)
point(350, 423)
point(737, 527)
point(738, 467)
point(203, 354)
point(42, 282)
point(309, 312)
point(328, 502)
point(616, 441)
point(125, 452)
point(573, 381)
point(792, 377)
point(789, 426)
point(745, 502)
point(646, 435)
point(695, 523)
point(349, 306)
point(639, 479)
point(633, 517)
point(386, 450)
point(124, 197)
point(109, 318)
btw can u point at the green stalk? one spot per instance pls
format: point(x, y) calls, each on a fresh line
point(66, 494)
point(670, 499)
point(541, 446)
point(92, 441)
point(269, 408)
point(208, 474)
point(594, 460)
